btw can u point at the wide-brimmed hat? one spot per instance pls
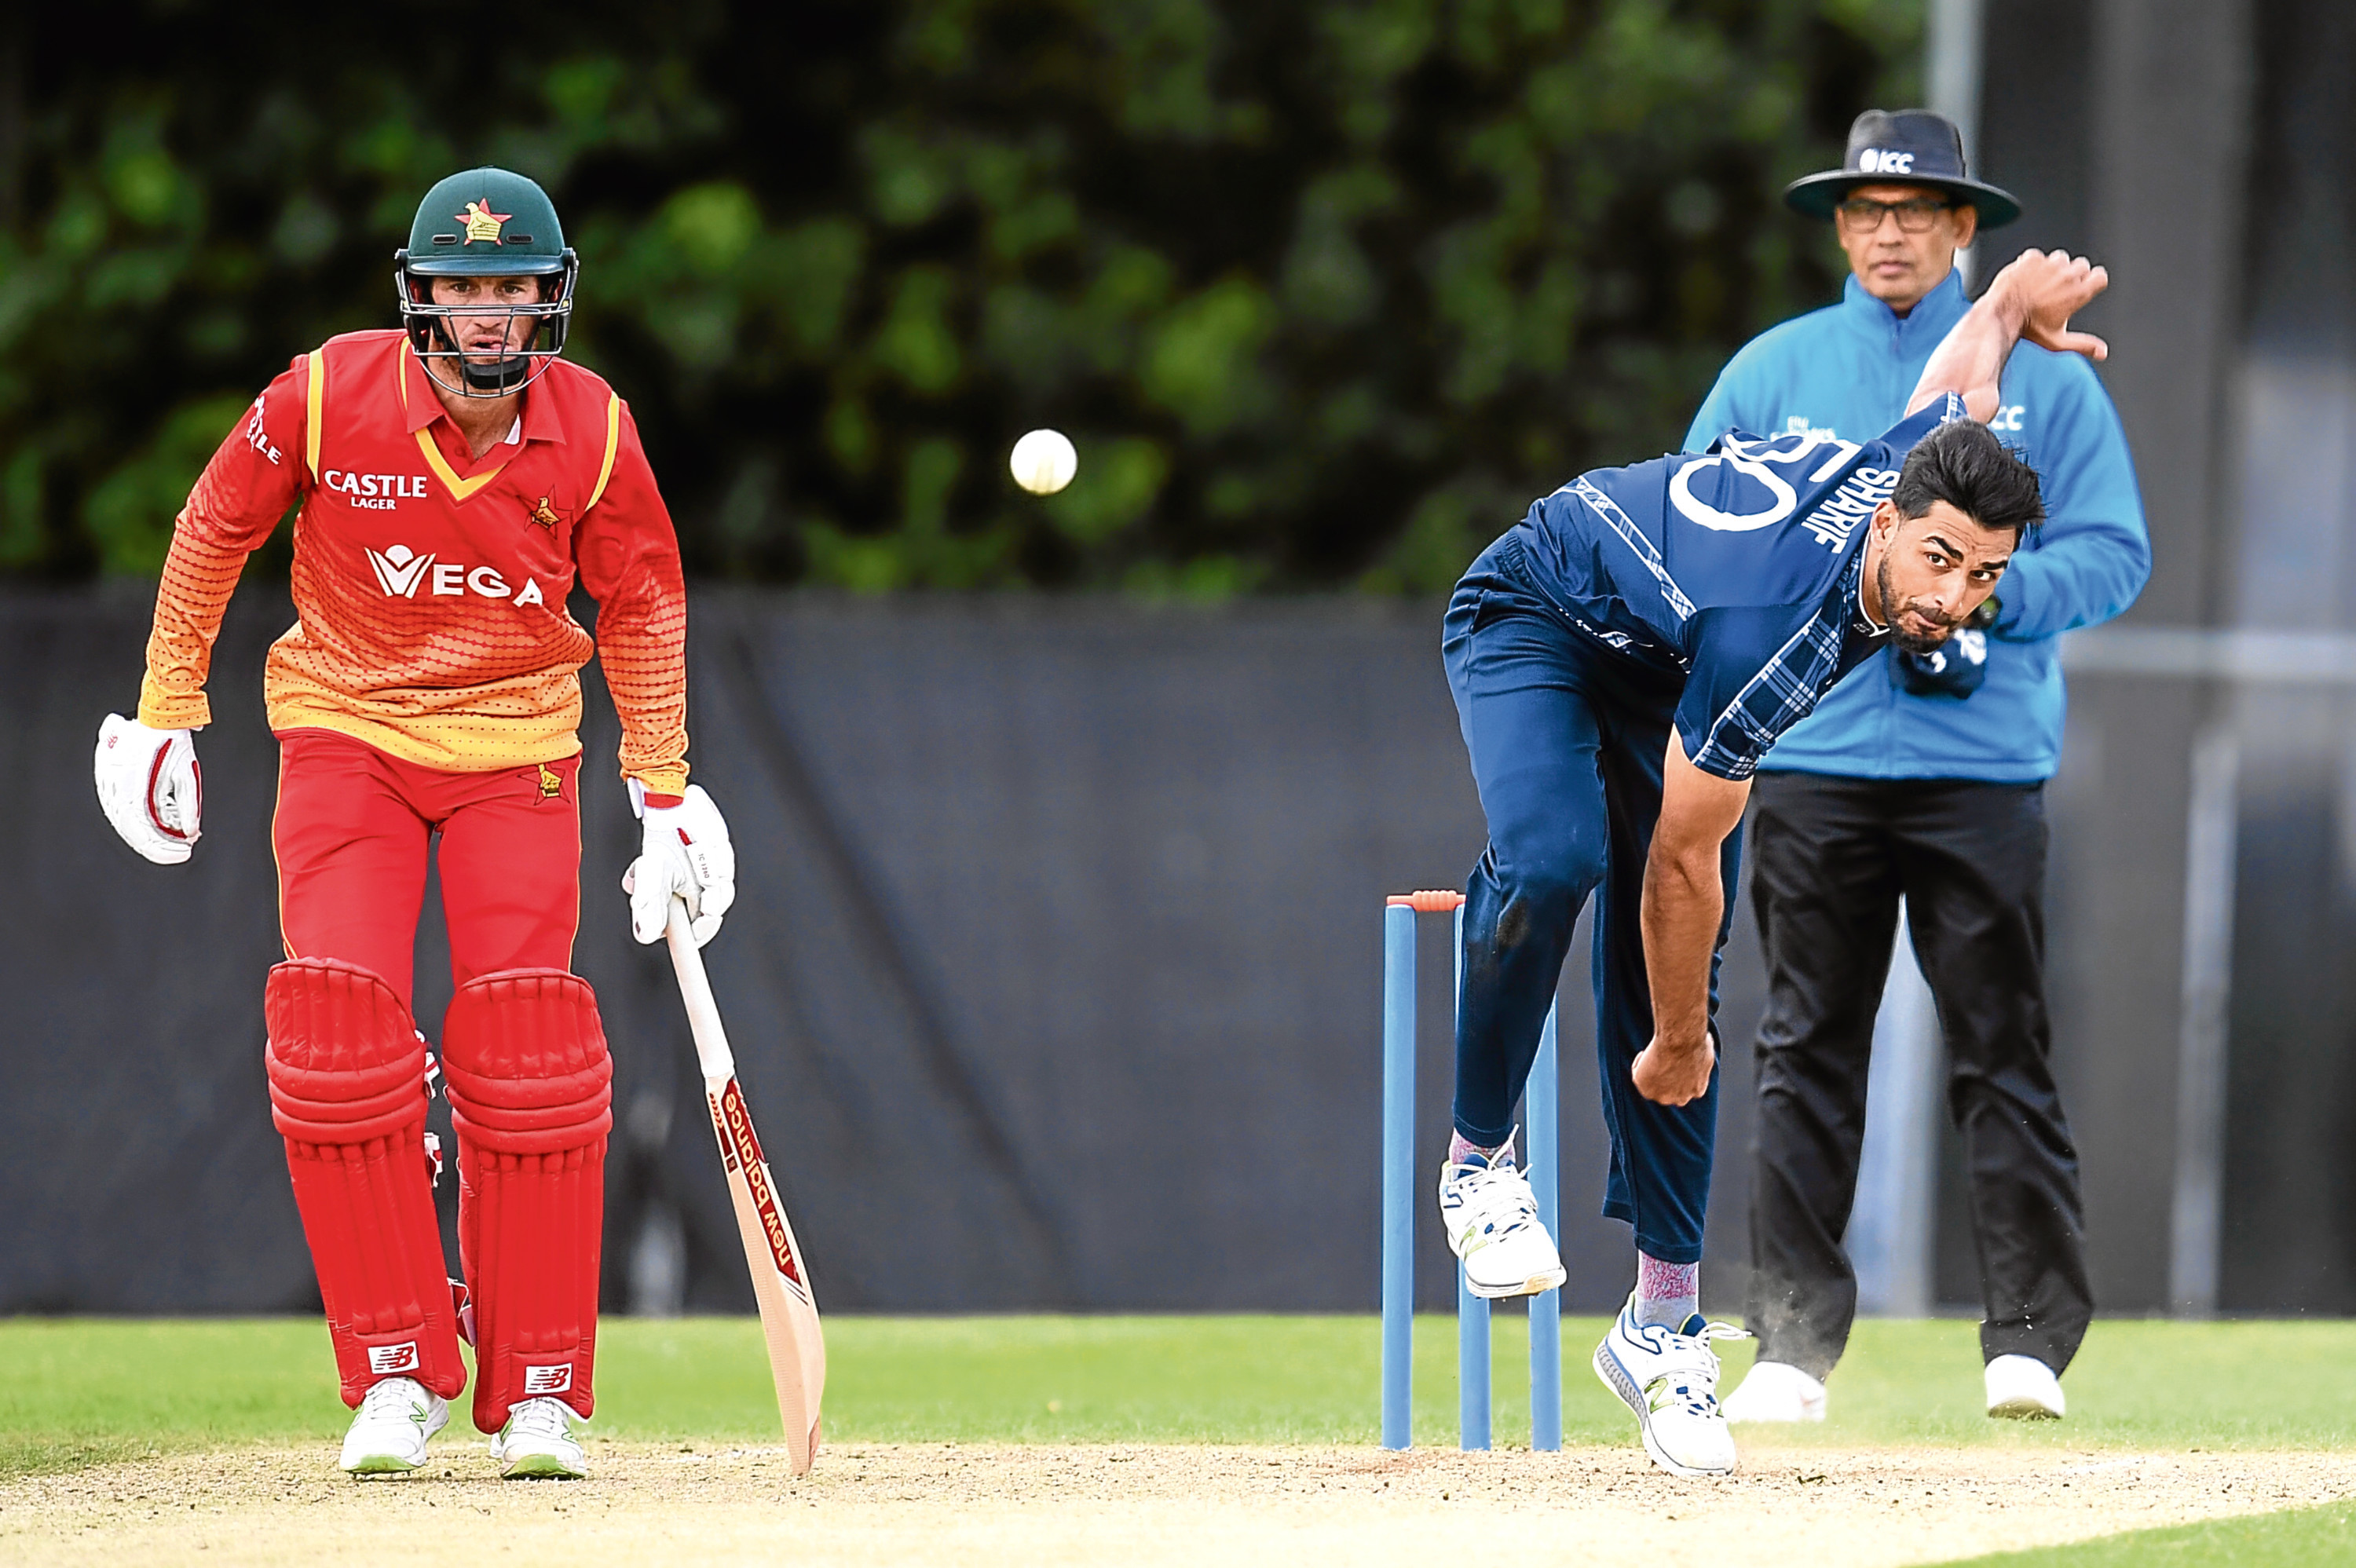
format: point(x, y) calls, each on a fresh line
point(1906, 146)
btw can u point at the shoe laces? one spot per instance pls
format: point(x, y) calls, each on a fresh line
point(1688, 1369)
point(394, 1399)
point(540, 1417)
point(1496, 1195)
point(1498, 1201)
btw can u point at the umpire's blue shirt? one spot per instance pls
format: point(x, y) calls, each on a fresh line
point(1848, 370)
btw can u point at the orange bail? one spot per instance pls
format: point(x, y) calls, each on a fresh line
point(1429, 900)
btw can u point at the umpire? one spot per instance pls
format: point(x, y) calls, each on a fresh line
point(1923, 778)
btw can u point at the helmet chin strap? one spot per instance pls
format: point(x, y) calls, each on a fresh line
point(483, 379)
point(497, 378)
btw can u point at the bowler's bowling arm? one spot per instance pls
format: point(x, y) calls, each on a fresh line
point(2032, 298)
point(1684, 905)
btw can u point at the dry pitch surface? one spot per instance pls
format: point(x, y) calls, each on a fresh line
point(950, 1504)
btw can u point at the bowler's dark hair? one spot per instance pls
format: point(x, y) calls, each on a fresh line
point(1962, 463)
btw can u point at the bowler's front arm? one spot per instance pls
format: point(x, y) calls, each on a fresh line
point(1684, 905)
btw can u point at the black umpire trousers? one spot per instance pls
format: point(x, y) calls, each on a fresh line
point(1831, 857)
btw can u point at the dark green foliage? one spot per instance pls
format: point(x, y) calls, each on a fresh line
point(1323, 293)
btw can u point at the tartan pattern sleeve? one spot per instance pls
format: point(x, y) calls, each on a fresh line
point(628, 558)
point(1754, 676)
point(251, 480)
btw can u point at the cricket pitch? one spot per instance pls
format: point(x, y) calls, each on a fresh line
point(976, 1506)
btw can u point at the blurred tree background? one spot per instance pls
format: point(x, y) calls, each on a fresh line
point(1325, 292)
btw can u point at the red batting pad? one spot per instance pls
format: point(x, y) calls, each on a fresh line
point(348, 1092)
point(531, 1092)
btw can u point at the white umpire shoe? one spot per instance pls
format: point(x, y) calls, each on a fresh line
point(1491, 1219)
point(1669, 1379)
point(389, 1429)
point(1776, 1391)
point(2024, 1389)
point(537, 1444)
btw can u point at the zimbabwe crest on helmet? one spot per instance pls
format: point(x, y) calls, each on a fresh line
point(481, 222)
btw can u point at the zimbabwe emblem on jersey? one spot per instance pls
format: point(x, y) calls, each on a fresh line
point(545, 514)
point(482, 223)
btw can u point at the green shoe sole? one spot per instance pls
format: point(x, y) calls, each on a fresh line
point(541, 1467)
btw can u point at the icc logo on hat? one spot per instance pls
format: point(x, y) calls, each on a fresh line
point(1910, 144)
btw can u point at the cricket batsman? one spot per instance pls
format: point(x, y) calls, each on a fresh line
point(451, 480)
point(1621, 661)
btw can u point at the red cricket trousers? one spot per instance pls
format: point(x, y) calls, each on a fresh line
point(351, 835)
point(527, 1064)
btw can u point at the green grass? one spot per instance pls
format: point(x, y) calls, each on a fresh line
point(2302, 1538)
point(77, 1391)
point(2148, 1384)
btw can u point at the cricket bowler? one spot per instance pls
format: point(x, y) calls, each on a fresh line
point(451, 481)
point(1622, 660)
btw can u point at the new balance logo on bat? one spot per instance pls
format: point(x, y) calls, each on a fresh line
point(401, 571)
point(737, 1123)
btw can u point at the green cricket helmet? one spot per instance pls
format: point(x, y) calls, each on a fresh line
point(485, 223)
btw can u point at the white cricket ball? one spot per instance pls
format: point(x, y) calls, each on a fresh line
point(1044, 462)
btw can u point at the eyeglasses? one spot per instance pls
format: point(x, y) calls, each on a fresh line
point(1915, 216)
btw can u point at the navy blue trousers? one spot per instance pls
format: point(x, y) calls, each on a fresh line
point(1566, 739)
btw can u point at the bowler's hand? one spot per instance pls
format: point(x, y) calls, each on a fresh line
point(2052, 287)
point(1674, 1074)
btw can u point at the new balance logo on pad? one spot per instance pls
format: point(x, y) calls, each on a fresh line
point(387, 1359)
point(548, 1380)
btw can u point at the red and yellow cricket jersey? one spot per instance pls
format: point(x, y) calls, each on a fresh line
point(430, 584)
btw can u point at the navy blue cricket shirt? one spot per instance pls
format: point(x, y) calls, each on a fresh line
point(1738, 568)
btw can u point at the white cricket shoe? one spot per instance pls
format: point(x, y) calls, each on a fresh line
point(1775, 1390)
point(2025, 1389)
point(1669, 1378)
point(389, 1429)
point(537, 1444)
point(1491, 1218)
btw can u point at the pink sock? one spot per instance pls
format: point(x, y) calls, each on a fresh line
point(1666, 1293)
point(1460, 1149)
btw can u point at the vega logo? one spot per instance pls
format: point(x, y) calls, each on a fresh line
point(401, 571)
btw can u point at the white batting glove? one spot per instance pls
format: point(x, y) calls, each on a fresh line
point(684, 853)
point(150, 788)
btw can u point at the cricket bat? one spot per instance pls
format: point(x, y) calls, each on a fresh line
point(780, 1281)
